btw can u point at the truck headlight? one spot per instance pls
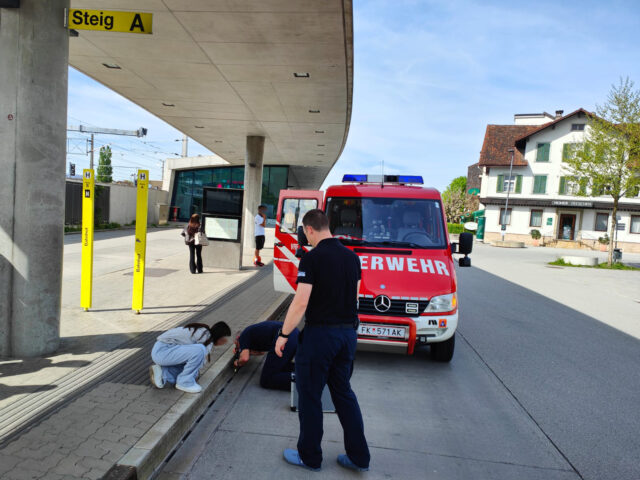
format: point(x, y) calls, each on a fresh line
point(442, 303)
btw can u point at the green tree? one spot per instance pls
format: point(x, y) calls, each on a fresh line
point(454, 199)
point(608, 160)
point(105, 170)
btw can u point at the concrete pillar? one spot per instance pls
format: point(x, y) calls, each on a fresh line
point(252, 192)
point(34, 57)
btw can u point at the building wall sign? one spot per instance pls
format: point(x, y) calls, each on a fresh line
point(571, 203)
point(109, 21)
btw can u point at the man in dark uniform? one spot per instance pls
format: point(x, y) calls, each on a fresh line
point(260, 338)
point(328, 285)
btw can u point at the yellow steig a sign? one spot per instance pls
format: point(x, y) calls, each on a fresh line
point(109, 21)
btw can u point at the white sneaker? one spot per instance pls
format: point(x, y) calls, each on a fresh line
point(195, 388)
point(155, 374)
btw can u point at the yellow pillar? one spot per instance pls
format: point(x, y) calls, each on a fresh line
point(88, 205)
point(141, 240)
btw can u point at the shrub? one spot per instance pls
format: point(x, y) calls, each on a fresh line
point(535, 234)
point(455, 228)
point(604, 240)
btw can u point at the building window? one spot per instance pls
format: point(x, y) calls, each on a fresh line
point(512, 184)
point(540, 184)
point(635, 224)
point(507, 220)
point(569, 187)
point(543, 152)
point(536, 218)
point(577, 127)
point(568, 150)
point(188, 186)
point(602, 222)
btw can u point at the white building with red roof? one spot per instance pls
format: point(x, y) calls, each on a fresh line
point(541, 195)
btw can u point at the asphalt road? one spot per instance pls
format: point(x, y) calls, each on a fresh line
point(536, 390)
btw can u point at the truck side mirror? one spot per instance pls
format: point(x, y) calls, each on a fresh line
point(464, 261)
point(302, 242)
point(465, 243)
point(302, 238)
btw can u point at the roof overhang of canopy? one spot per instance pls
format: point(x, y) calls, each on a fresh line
point(220, 70)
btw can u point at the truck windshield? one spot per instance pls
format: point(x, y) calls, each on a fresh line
point(387, 222)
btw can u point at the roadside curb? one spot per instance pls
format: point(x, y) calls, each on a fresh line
point(148, 454)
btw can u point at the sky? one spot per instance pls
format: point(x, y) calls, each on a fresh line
point(428, 78)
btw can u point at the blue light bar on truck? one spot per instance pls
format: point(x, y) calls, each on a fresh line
point(402, 179)
point(355, 178)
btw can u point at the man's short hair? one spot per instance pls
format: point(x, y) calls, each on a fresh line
point(316, 219)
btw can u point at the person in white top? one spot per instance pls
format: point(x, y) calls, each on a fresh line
point(260, 221)
point(179, 353)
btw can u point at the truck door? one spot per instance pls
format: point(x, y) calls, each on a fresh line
point(292, 206)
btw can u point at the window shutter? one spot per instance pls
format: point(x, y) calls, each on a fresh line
point(566, 151)
point(583, 186)
point(543, 184)
point(543, 152)
point(536, 184)
point(500, 186)
point(519, 184)
point(563, 184)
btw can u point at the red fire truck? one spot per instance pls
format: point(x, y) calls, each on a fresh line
point(408, 294)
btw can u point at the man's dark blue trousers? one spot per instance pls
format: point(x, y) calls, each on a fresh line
point(325, 357)
point(276, 372)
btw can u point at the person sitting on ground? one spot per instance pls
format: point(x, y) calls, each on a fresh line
point(179, 354)
point(260, 338)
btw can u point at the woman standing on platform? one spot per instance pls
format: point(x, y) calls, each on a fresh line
point(195, 251)
point(179, 354)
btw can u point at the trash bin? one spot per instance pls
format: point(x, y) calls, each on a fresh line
point(617, 254)
point(174, 213)
point(480, 231)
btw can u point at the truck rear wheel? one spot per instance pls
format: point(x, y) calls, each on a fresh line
point(443, 351)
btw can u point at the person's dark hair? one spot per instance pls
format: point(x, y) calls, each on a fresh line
point(194, 224)
point(216, 332)
point(219, 330)
point(316, 219)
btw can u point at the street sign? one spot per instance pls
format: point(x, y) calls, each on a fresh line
point(549, 221)
point(109, 21)
point(473, 191)
point(621, 226)
point(86, 275)
point(140, 248)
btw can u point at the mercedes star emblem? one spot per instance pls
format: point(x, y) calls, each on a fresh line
point(382, 303)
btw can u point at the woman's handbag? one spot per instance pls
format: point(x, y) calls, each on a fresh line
point(201, 239)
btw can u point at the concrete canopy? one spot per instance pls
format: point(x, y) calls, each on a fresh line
point(220, 70)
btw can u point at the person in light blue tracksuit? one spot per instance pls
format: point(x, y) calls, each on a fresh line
point(179, 354)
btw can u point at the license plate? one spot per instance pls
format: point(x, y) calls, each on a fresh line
point(381, 331)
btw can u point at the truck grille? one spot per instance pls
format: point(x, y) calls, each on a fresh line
point(398, 307)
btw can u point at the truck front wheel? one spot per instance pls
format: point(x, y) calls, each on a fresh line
point(443, 351)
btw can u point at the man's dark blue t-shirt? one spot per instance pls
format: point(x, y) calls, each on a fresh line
point(334, 271)
point(260, 337)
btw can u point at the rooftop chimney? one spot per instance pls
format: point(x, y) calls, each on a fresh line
point(559, 113)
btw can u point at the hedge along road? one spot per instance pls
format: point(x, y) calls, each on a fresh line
point(536, 390)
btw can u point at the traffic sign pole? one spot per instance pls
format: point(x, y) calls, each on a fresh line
point(141, 240)
point(88, 205)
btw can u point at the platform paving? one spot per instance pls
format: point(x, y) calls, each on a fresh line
point(75, 414)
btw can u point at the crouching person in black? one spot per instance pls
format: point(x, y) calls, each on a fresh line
point(260, 338)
